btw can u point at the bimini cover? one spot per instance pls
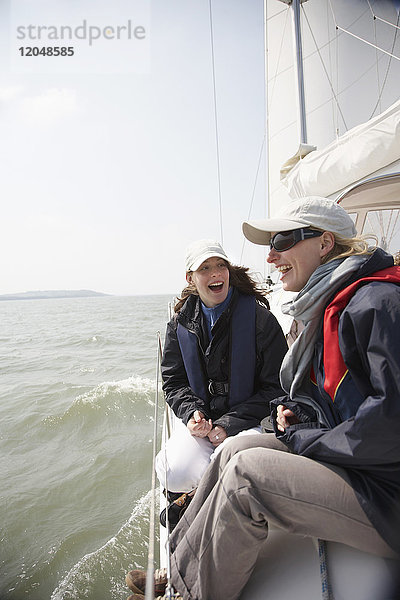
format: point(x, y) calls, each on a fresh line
point(360, 152)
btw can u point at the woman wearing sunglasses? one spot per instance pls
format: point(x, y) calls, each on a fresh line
point(220, 366)
point(332, 469)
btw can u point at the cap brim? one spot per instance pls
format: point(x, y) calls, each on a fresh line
point(260, 232)
point(204, 257)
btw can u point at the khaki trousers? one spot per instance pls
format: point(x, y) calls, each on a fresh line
point(252, 482)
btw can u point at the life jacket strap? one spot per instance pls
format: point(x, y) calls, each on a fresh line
point(218, 388)
point(242, 356)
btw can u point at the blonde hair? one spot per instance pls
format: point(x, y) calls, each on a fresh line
point(355, 246)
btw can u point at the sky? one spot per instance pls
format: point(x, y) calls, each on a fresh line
point(108, 162)
point(108, 158)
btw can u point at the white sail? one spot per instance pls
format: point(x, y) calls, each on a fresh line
point(361, 152)
point(348, 81)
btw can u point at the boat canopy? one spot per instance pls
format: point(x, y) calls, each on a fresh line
point(375, 204)
point(361, 152)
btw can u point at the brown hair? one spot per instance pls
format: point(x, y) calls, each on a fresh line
point(238, 278)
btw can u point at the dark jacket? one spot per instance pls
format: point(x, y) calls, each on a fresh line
point(364, 433)
point(270, 349)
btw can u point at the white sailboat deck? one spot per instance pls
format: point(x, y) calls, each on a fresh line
point(288, 568)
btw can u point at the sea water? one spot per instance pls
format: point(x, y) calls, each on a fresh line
point(78, 386)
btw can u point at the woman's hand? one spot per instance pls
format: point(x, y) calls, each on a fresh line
point(198, 424)
point(285, 418)
point(217, 435)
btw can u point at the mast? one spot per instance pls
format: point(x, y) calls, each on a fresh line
point(299, 72)
point(304, 148)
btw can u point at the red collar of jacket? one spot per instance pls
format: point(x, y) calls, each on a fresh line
point(334, 365)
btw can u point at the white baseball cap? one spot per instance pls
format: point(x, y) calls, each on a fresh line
point(312, 211)
point(199, 251)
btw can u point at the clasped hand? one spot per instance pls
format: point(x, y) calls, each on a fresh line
point(285, 417)
point(199, 426)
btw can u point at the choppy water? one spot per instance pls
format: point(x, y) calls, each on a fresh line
point(76, 423)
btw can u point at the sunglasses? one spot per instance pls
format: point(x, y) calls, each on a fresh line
point(287, 239)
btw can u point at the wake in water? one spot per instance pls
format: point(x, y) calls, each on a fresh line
point(93, 460)
point(101, 574)
point(110, 397)
point(76, 443)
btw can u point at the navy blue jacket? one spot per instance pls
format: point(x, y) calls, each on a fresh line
point(214, 359)
point(364, 418)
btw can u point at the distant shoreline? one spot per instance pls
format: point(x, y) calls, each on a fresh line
point(52, 294)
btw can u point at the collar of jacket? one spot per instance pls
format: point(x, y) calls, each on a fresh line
point(191, 316)
point(378, 260)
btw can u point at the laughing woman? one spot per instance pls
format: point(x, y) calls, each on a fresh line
point(222, 355)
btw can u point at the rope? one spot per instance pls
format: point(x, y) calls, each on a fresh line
point(387, 22)
point(376, 18)
point(327, 43)
point(391, 228)
point(367, 42)
point(325, 69)
point(150, 557)
point(387, 71)
point(333, 71)
point(380, 88)
point(357, 37)
point(253, 193)
point(394, 227)
point(280, 52)
point(323, 568)
point(169, 591)
point(216, 125)
point(310, 54)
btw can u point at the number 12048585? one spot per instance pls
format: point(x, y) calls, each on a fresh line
point(46, 51)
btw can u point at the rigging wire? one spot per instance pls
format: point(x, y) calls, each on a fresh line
point(275, 76)
point(394, 226)
point(152, 535)
point(268, 99)
point(325, 69)
point(357, 37)
point(337, 34)
point(331, 70)
point(276, 14)
point(310, 54)
point(345, 89)
point(216, 123)
point(169, 591)
point(266, 133)
point(254, 191)
point(377, 18)
point(387, 22)
point(387, 72)
point(386, 234)
point(328, 43)
point(377, 67)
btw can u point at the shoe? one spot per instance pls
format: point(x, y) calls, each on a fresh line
point(171, 496)
point(176, 508)
point(136, 581)
point(141, 597)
